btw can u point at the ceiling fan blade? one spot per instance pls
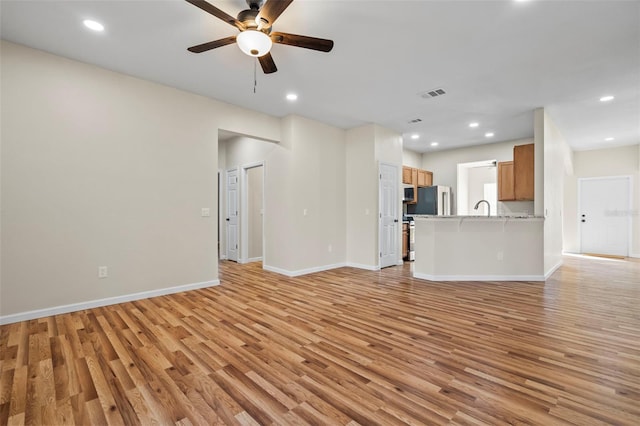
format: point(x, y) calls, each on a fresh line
point(267, 64)
point(212, 44)
point(313, 43)
point(209, 8)
point(270, 11)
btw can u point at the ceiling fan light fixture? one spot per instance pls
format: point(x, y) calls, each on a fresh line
point(254, 43)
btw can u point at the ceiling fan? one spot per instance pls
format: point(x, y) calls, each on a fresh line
point(255, 38)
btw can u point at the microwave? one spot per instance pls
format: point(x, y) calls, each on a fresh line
point(409, 194)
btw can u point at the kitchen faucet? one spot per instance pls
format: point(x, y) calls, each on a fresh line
point(488, 206)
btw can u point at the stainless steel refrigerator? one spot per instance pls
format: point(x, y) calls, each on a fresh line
point(434, 200)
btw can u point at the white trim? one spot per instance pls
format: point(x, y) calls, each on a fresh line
point(636, 255)
point(478, 277)
point(251, 259)
point(363, 266)
point(63, 309)
point(303, 271)
point(552, 270)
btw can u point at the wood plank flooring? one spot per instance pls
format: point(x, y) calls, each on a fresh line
point(341, 347)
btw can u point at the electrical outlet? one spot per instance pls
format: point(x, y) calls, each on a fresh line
point(500, 255)
point(304, 212)
point(205, 212)
point(330, 249)
point(103, 272)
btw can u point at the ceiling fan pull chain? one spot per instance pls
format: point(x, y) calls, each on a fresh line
point(255, 78)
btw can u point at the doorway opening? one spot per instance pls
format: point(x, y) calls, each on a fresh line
point(252, 213)
point(477, 181)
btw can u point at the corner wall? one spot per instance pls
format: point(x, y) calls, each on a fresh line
point(103, 169)
point(619, 161)
point(557, 164)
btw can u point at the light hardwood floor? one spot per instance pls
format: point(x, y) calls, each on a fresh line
point(340, 347)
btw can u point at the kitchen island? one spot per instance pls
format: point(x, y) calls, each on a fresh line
point(479, 248)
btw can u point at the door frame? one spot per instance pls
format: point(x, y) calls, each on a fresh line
point(243, 254)
point(398, 221)
point(629, 179)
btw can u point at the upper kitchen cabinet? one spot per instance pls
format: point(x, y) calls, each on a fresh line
point(515, 178)
point(505, 181)
point(407, 175)
point(523, 172)
point(425, 178)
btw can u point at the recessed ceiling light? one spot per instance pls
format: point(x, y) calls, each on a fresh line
point(488, 135)
point(606, 98)
point(609, 139)
point(434, 143)
point(415, 136)
point(474, 124)
point(93, 25)
point(292, 96)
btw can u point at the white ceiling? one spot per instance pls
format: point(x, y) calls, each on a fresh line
point(497, 61)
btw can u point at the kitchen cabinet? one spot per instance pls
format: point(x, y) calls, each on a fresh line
point(523, 172)
point(407, 175)
point(505, 181)
point(515, 178)
point(425, 178)
point(417, 178)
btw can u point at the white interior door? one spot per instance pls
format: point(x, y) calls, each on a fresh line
point(604, 215)
point(389, 223)
point(232, 214)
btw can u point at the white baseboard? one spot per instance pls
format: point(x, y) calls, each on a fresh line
point(636, 255)
point(63, 309)
point(302, 271)
point(223, 257)
point(552, 270)
point(478, 277)
point(251, 259)
point(363, 266)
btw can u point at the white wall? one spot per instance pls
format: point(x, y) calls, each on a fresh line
point(444, 165)
point(557, 163)
point(478, 177)
point(99, 168)
point(620, 161)
point(411, 158)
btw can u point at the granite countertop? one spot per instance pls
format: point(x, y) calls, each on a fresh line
point(478, 217)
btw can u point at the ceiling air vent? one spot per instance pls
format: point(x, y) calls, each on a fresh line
point(415, 120)
point(432, 93)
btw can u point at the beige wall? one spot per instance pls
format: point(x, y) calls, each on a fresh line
point(362, 198)
point(620, 161)
point(102, 169)
point(255, 192)
point(367, 147)
point(313, 233)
